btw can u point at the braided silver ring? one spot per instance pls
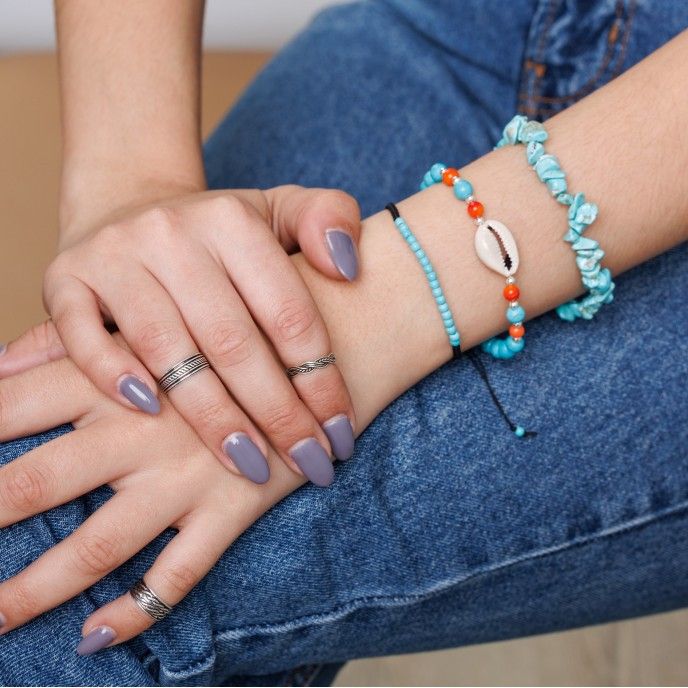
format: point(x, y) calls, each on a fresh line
point(149, 602)
point(310, 366)
point(183, 370)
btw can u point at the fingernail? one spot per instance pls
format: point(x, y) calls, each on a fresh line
point(3, 348)
point(247, 457)
point(313, 460)
point(96, 640)
point(343, 252)
point(341, 435)
point(3, 621)
point(139, 394)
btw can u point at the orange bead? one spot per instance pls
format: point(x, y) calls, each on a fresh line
point(517, 331)
point(475, 209)
point(511, 292)
point(450, 175)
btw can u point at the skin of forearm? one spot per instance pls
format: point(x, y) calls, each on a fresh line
point(130, 84)
point(625, 146)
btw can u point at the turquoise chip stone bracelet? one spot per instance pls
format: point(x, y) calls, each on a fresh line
point(581, 214)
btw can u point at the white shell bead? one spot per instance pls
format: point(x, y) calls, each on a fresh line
point(496, 247)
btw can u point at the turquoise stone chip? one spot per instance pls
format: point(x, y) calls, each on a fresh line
point(545, 163)
point(428, 179)
point(532, 131)
point(519, 431)
point(533, 152)
point(587, 213)
point(584, 243)
point(556, 186)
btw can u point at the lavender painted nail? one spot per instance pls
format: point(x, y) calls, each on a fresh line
point(139, 394)
point(3, 621)
point(96, 640)
point(343, 252)
point(341, 435)
point(313, 460)
point(247, 457)
point(3, 349)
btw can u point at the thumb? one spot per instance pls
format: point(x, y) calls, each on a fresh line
point(324, 223)
point(40, 344)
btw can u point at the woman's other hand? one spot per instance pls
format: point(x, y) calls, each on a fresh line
point(209, 272)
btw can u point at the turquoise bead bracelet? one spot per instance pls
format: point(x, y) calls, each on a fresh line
point(431, 276)
point(581, 214)
point(496, 248)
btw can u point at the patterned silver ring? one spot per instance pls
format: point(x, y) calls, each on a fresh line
point(149, 602)
point(183, 370)
point(310, 366)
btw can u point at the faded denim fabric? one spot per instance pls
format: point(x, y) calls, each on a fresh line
point(444, 529)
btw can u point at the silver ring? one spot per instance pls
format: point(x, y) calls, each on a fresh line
point(183, 370)
point(310, 366)
point(149, 602)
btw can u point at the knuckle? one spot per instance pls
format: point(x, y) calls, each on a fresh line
point(211, 416)
point(161, 220)
point(25, 489)
point(284, 422)
point(326, 393)
point(24, 600)
point(294, 319)
point(96, 555)
point(181, 578)
point(157, 339)
point(230, 343)
point(227, 206)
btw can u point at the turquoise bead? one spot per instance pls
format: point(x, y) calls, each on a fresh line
point(515, 315)
point(436, 171)
point(515, 345)
point(519, 431)
point(430, 274)
point(462, 189)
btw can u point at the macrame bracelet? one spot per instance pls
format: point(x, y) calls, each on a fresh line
point(496, 248)
point(581, 214)
point(431, 276)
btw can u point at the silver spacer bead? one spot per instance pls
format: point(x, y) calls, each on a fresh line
point(513, 304)
point(517, 339)
point(520, 324)
point(479, 221)
point(510, 279)
point(470, 198)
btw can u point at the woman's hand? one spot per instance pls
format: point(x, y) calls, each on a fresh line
point(208, 272)
point(209, 506)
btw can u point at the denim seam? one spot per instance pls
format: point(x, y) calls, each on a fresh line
point(399, 600)
point(343, 610)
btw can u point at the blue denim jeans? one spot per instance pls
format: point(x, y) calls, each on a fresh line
point(444, 529)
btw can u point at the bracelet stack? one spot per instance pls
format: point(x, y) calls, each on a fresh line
point(496, 248)
point(581, 214)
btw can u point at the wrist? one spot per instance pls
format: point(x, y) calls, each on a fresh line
point(98, 191)
point(96, 188)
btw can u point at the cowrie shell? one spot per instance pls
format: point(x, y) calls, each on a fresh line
point(496, 247)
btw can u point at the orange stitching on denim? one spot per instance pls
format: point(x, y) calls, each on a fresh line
point(590, 85)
